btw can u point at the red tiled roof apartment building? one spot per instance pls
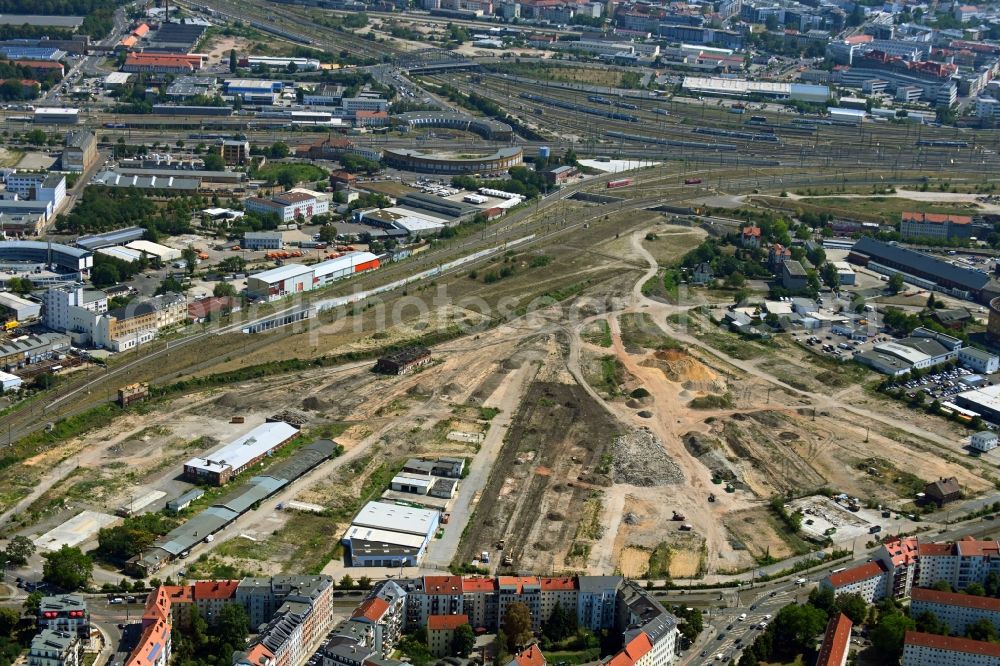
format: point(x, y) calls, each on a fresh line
point(836, 642)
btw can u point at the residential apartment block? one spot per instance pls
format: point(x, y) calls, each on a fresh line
point(921, 649)
point(288, 614)
point(485, 600)
point(869, 580)
point(55, 648)
point(901, 565)
point(956, 610)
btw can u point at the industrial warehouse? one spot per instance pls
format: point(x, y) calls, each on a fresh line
point(200, 528)
point(296, 278)
point(220, 466)
point(390, 535)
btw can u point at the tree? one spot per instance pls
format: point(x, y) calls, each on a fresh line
point(9, 619)
point(36, 137)
point(214, 162)
point(224, 289)
point(500, 652)
point(517, 626)
point(831, 277)
point(976, 590)
point(823, 598)
point(20, 285)
point(233, 62)
point(887, 635)
point(853, 606)
point(68, 568)
point(170, 285)
point(896, 283)
point(981, 630)
point(233, 625)
point(279, 150)
point(19, 549)
point(328, 233)
point(190, 257)
point(33, 603)
point(796, 627)
point(560, 624)
point(463, 641)
point(992, 584)
point(347, 582)
point(928, 623)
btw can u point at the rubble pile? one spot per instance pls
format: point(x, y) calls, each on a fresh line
point(640, 459)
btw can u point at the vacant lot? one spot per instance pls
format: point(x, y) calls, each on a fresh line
point(543, 480)
point(875, 208)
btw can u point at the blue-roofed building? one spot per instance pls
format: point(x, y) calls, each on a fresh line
point(32, 53)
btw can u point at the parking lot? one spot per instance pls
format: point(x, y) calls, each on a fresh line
point(943, 385)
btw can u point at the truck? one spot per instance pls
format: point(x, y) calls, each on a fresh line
point(686, 527)
point(621, 182)
point(484, 557)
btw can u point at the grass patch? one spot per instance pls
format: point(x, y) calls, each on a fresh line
point(598, 333)
point(881, 209)
point(612, 374)
point(564, 73)
point(589, 526)
point(712, 401)
point(575, 656)
point(487, 413)
point(578, 554)
point(659, 561)
point(639, 330)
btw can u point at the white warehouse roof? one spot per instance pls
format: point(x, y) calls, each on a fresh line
point(384, 536)
point(289, 271)
point(162, 251)
point(240, 451)
point(395, 518)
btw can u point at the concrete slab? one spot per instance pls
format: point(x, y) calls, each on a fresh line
point(78, 529)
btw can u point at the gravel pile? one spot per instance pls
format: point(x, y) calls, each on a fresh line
point(292, 417)
point(640, 459)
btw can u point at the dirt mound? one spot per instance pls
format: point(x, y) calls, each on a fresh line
point(630, 519)
point(681, 367)
point(232, 400)
point(453, 389)
point(423, 388)
point(640, 459)
point(314, 404)
point(646, 414)
point(512, 363)
point(789, 436)
point(633, 403)
point(768, 418)
point(709, 452)
point(698, 444)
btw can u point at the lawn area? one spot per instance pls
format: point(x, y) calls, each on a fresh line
point(880, 209)
point(565, 73)
point(574, 656)
point(639, 330)
point(669, 244)
point(659, 561)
